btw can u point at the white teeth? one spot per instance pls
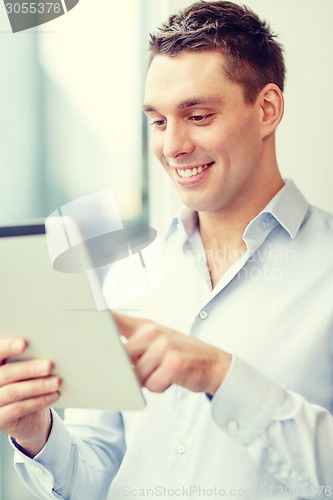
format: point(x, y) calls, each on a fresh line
point(190, 172)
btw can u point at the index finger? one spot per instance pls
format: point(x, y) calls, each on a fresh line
point(11, 347)
point(126, 324)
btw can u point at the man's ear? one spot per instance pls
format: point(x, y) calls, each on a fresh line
point(271, 104)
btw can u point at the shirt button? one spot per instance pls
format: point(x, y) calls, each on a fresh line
point(233, 426)
point(181, 449)
point(203, 314)
point(285, 474)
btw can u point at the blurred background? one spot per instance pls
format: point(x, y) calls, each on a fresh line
point(71, 123)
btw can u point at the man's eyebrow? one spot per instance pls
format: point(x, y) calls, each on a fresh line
point(190, 103)
point(200, 101)
point(147, 108)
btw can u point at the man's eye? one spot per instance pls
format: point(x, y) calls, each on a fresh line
point(200, 118)
point(158, 123)
point(197, 118)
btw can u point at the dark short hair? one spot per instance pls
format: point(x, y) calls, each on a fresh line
point(252, 55)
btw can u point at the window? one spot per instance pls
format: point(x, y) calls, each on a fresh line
point(70, 124)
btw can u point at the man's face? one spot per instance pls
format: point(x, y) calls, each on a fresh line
point(206, 137)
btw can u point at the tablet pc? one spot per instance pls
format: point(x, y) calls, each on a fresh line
point(56, 313)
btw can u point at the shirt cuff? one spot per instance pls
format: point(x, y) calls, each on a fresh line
point(246, 402)
point(52, 455)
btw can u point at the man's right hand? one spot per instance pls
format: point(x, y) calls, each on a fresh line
point(27, 389)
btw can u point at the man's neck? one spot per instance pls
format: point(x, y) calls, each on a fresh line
point(222, 231)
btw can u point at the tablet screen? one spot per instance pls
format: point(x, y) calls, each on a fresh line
point(56, 313)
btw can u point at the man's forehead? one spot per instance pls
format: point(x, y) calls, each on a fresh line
point(188, 79)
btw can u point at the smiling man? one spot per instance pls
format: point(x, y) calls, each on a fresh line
point(217, 145)
point(236, 350)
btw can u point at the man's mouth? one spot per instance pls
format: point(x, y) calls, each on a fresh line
point(191, 172)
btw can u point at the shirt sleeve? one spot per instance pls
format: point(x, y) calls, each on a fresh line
point(286, 435)
point(75, 463)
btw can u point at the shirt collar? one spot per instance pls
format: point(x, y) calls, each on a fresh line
point(287, 208)
point(185, 218)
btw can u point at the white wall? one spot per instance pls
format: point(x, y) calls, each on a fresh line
point(305, 137)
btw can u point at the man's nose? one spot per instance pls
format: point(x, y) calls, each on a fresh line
point(177, 141)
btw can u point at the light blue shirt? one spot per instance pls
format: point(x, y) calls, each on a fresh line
point(268, 431)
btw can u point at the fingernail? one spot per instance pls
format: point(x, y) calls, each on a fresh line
point(51, 383)
point(51, 398)
point(17, 345)
point(43, 367)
